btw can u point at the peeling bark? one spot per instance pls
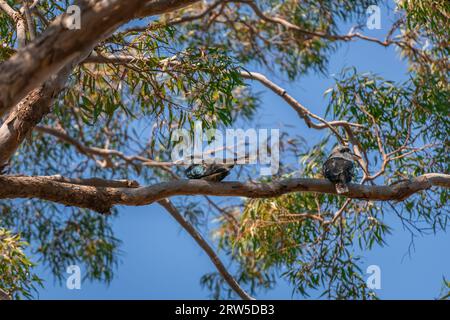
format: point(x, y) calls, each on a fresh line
point(4, 295)
point(28, 113)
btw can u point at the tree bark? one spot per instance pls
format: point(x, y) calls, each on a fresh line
point(28, 113)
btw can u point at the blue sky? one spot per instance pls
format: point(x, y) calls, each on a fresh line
point(160, 261)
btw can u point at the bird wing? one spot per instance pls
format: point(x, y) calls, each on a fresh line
point(216, 169)
point(195, 171)
point(213, 172)
point(217, 172)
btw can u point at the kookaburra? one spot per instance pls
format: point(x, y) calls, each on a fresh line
point(339, 167)
point(209, 171)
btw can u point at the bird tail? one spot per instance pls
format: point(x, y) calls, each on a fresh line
point(341, 187)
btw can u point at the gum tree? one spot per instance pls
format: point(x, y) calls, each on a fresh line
point(75, 104)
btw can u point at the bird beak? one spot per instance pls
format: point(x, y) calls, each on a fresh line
point(355, 157)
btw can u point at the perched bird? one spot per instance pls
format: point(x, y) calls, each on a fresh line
point(339, 167)
point(210, 172)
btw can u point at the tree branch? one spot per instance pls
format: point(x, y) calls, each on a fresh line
point(29, 20)
point(31, 110)
point(35, 63)
point(302, 111)
point(28, 113)
point(102, 152)
point(320, 34)
point(200, 15)
point(107, 154)
point(93, 182)
point(4, 295)
point(101, 199)
point(166, 204)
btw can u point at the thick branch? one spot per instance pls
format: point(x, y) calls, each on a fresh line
point(4, 295)
point(320, 34)
point(93, 182)
point(206, 247)
point(51, 51)
point(102, 199)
